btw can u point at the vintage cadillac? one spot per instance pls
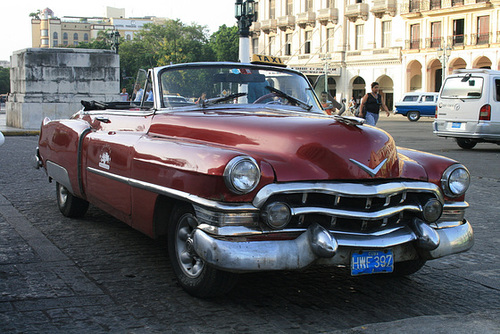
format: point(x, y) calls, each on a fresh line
point(245, 172)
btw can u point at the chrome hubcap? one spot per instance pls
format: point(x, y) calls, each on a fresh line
point(63, 194)
point(189, 262)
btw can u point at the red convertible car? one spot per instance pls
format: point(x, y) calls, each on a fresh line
point(245, 172)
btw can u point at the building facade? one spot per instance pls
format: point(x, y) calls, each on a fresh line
point(397, 43)
point(48, 31)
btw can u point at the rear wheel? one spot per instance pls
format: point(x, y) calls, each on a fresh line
point(413, 116)
point(69, 205)
point(193, 274)
point(466, 143)
point(406, 268)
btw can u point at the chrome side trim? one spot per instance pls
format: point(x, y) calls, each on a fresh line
point(237, 207)
point(60, 174)
point(346, 189)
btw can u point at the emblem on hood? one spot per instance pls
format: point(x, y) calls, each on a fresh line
point(367, 169)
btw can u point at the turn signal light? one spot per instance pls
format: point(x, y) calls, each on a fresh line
point(485, 113)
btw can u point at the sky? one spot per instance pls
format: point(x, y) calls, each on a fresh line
point(15, 23)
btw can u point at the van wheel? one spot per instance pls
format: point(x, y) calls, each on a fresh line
point(193, 274)
point(413, 116)
point(466, 143)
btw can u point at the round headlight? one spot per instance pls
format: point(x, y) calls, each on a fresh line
point(242, 174)
point(455, 180)
point(432, 210)
point(276, 215)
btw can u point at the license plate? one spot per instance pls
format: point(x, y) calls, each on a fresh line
point(372, 262)
point(456, 125)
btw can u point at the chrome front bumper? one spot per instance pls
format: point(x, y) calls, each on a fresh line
point(318, 245)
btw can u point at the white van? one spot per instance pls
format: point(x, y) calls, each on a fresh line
point(468, 107)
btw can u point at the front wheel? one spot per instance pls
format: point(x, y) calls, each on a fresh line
point(466, 143)
point(193, 274)
point(413, 116)
point(70, 205)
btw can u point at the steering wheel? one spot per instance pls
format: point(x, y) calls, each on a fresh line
point(266, 97)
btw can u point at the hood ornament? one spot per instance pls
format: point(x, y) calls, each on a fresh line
point(370, 171)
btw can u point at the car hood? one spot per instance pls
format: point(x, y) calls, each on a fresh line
point(298, 148)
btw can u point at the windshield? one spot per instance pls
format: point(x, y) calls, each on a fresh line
point(463, 87)
point(208, 84)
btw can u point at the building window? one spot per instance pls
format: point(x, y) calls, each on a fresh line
point(44, 33)
point(309, 5)
point(483, 30)
point(415, 36)
point(75, 36)
point(330, 4)
point(386, 34)
point(435, 34)
point(435, 4)
point(358, 45)
point(329, 39)
point(45, 42)
point(458, 32)
point(65, 36)
point(85, 37)
point(55, 43)
point(414, 6)
point(307, 44)
point(289, 7)
point(55, 35)
point(255, 45)
point(272, 40)
point(457, 3)
point(272, 9)
point(288, 44)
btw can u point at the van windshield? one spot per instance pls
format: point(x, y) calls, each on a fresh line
point(463, 88)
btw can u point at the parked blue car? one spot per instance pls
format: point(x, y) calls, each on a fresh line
point(417, 104)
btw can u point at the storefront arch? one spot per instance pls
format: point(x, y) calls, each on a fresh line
point(482, 62)
point(414, 76)
point(456, 64)
point(358, 88)
point(386, 86)
point(435, 76)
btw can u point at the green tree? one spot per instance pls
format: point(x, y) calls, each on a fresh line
point(4, 80)
point(225, 43)
point(36, 15)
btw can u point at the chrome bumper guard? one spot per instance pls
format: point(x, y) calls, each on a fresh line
point(319, 245)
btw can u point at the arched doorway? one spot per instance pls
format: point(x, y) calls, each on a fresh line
point(482, 62)
point(456, 64)
point(358, 89)
point(435, 76)
point(387, 88)
point(414, 76)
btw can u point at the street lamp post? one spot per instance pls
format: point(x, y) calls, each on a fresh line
point(245, 14)
point(326, 58)
point(443, 54)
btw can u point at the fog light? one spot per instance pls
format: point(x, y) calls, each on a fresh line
point(432, 210)
point(276, 215)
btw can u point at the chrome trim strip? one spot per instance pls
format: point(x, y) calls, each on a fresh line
point(346, 189)
point(384, 213)
point(174, 193)
point(60, 174)
point(79, 161)
point(455, 205)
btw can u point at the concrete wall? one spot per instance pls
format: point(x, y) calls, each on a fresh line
point(52, 82)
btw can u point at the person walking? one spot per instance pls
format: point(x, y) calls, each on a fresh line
point(370, 105)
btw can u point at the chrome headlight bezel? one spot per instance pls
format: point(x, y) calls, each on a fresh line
point(233, 175)
point(454, 175)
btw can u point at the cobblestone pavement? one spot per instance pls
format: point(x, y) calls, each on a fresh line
point(95, 274)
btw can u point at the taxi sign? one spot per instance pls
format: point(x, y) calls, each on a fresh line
point(267, 60)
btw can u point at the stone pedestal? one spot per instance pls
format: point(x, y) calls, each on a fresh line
point(52, 82)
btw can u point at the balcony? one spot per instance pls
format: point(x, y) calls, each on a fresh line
point(481, 39)
point(328, 15)
point(286, 22)
point(306, 19)
point(434, 42)
point(357, 11)
point(268, 26)
point(413, 44)
point(383, 7)
point(413, 8)
point(255, 29)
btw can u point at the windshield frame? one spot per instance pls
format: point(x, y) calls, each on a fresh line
point(159, 71)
